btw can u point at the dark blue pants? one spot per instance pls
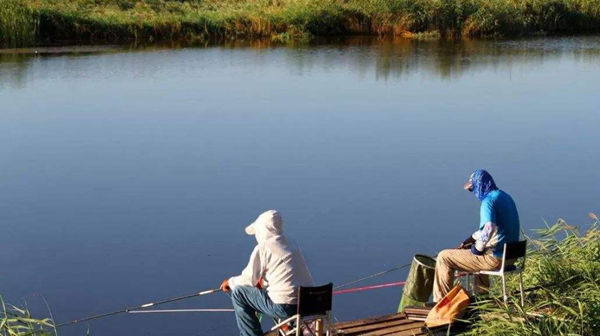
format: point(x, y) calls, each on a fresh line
point(249, 300)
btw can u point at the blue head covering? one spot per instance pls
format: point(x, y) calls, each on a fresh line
point(483, 183)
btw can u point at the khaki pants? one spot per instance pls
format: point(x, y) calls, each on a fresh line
point(463, 260)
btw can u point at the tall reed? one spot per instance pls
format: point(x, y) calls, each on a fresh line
point(15, 321)
point(564, 265)
point(152, 20)
point(18, 23)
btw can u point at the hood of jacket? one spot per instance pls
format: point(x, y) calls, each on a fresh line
point(483, 183)
point(269, 224)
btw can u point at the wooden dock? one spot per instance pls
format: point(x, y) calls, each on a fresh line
point(408, 323)
point(390, 325)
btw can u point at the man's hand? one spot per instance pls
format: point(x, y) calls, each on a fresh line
point(259, 283)
point(467, 243)
point(225, 286)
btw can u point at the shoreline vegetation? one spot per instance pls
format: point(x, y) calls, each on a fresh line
point(52, 22)
point(562, 267)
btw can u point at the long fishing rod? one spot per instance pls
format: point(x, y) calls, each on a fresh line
point(397, 268)
point(140, 307)
point(366, 288)
point(209, 310)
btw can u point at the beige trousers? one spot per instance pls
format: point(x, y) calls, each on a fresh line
point(463, 260)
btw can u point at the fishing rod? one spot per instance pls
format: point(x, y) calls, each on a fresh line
point(374, 275)
point(210, 310)
point(140, 307)
point(366, 288)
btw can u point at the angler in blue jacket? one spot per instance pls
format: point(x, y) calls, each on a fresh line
point(499, 224)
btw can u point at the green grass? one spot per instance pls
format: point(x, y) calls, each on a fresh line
point(565, 265)
point(24, 22)
point(18, 24)
point(15, 321)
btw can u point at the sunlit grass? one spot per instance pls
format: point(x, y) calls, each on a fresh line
point(564, 266)
point(16, 321)
point(152, 20)
point(18, 24)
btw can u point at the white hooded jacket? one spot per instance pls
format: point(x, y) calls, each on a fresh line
point(276, 259)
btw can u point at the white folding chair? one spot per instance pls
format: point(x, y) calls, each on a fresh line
point(512, 252)
point(314, 304)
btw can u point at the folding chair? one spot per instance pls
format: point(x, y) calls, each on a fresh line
point(512, 252)
point(314, 304)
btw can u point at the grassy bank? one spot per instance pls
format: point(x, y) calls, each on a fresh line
point(564, 265)
point(24, 22)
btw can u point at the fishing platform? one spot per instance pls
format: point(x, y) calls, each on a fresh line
point(408, 323)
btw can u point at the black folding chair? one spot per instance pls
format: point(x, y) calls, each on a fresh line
point(314, 304)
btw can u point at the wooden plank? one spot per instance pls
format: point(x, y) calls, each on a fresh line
point(396, 324)
point(418, 318)
point(360, 330)
point(417, 310)
point(411, 332)
point(417, 313)
point(349, 324)
point(413, 326)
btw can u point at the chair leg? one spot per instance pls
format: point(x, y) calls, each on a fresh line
point(319, 326)
point(298, 326)
point(504, 288)
point(468, 283)
point(521, 289)
point(279, 330)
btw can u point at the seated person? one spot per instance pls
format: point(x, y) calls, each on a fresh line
point(482, 251)
point(270, 282)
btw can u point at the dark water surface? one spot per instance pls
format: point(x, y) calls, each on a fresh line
point(128, 176)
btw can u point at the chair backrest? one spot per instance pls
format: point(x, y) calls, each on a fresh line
point(315, 300)
point(515, 250)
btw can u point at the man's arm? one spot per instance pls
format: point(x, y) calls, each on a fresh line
point(482, 237)
point(487, 217)
point(251, 274)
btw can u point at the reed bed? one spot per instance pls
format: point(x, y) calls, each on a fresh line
point(564, 266)
point(55, 21)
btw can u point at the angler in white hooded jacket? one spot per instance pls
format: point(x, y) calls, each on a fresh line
point(269, 283)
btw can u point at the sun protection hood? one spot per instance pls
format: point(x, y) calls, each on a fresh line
point(267, 225)
point(482, 183)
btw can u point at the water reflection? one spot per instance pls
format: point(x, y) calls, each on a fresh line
point(385, 58)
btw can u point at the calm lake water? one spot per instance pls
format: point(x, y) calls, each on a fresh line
point(128, 175)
